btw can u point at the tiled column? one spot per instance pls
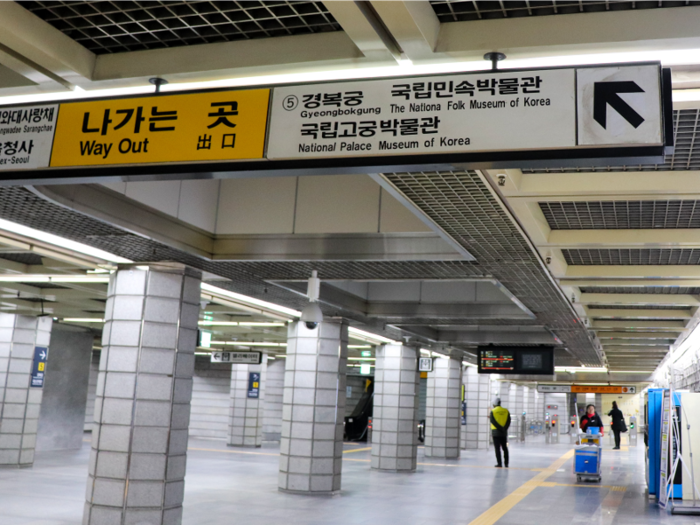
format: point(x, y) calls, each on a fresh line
point(245, 422)
point(504, 394)
point(517, 402)
point(478, 393)
point(442, 423)
point(311, 448)
point(144, 388)
point(395, 413)
point(274, 390)
point(20, 401)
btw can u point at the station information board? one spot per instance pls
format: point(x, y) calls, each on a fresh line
point(587, 389)
point(516, 360)
point(501, 118)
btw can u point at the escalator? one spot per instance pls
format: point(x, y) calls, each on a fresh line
point(356, 424)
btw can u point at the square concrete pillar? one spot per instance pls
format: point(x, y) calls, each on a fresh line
point(395, 412)
point(20, 336)
point(246, 413)
point(311, 447)
point(478, 399)
point(274, 390)
point(144, 388)
point(442, 411)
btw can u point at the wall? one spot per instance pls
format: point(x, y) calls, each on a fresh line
point(62, 417)
point(630, 406)
point(92, 389)
point(211, 392)
point(274, 388)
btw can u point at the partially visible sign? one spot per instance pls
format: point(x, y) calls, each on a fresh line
point(587, 389)
point(254, 385)
point(26, 135)
point(662, 493)
point(41, 354)
point(237, 358)
point(464, 412)
point(491, 111)
point(225, 125)
point(425, 364)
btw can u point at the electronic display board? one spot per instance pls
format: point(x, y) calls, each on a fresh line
point(525, 360)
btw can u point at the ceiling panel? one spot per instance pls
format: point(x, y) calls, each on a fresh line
point(114, 27)
point(666, 290)
point(467, 10)
point(616, 257)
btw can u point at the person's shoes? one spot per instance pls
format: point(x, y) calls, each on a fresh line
point(498, 466)
point(616, 448)
point(506, 465)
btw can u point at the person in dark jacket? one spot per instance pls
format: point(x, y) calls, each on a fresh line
point(617, 420)
point(591, 419)
point(500, 422)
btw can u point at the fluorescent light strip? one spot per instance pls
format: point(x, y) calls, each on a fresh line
point(574, 369)
point(362, 359)
point(60, 241)
point(233, 323)
point(82, 320)
point(247, 343)
point(361, 335)
point(250, 300)
point(62, 278)
point(667, 57)
point(360, 346)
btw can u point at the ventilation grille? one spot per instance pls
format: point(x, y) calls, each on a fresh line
point(467, 10)
point(654, 290)
point(685, 155)
point(114, 27)
point(462, 204)
point(622, 215)
point(638, 307)
point(22, 258)
point(617, 257)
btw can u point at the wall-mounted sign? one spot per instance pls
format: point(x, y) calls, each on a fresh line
point(425, 364)
point(237, 358)
point(41, 354)
point(254, 385)
point(224, 125)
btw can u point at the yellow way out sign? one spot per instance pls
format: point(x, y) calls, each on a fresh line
point(227, 125)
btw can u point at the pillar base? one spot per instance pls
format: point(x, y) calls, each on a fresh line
point(308, 493)
point(243, 446)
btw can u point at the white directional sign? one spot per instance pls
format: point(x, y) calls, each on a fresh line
point(237, 358)
point(625, 103)
point(441, 114)
point(26, 136)
point(505, 111)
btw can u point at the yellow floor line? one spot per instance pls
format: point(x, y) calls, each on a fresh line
point(614, 488)
point(357, 450)
point(501, 508)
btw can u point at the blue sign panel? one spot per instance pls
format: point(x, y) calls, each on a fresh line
point(464, 412)
point(39, 368)
point(254, 385)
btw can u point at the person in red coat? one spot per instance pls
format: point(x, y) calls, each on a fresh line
point(591, 419)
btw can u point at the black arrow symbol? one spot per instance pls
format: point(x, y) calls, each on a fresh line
point(605, 93)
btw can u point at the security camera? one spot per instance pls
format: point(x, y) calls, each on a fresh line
point(548, 259)
point(501, 180)
point(311, 315)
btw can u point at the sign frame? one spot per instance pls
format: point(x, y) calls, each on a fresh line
point(239, 357)
point(518, 352)
point(41, 357)
point(425, 364)
point(578, 156)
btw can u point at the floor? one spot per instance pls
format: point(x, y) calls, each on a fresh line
point(226, 485)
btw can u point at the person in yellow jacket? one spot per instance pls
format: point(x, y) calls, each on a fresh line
point(500, 422)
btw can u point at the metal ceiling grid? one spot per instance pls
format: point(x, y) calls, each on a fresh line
point(114, 27)
point(467, 10)
point(666, 290)
point(686, 154)
point(625, 256)
point(622, 215)
point(637, 307)
point(23, 258)
point(462, 204)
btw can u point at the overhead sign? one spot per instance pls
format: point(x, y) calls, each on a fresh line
point(491, 111)
point(516, 360)
point(588, 389)
point(41, 354)
point(506, 118)
point(26, 135)
point(237, 358)
point(425, 364)
point(224, 125)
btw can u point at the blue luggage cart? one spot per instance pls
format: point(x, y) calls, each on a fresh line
point(587, 462)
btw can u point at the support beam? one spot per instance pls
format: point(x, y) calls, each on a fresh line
point(678, 272)
point(629, 283)
point(452, 311)
point(367, 32)
point(632, 342)
point(414, 25)
point(576, 239)
point(673, 326)
point(649, 313)
point(497, 337)
point(606, 336)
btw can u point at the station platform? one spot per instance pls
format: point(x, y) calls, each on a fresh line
point(235, 485)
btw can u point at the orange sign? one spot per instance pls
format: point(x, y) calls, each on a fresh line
point(582, 389)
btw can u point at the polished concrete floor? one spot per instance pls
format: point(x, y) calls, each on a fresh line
point(225, 486)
